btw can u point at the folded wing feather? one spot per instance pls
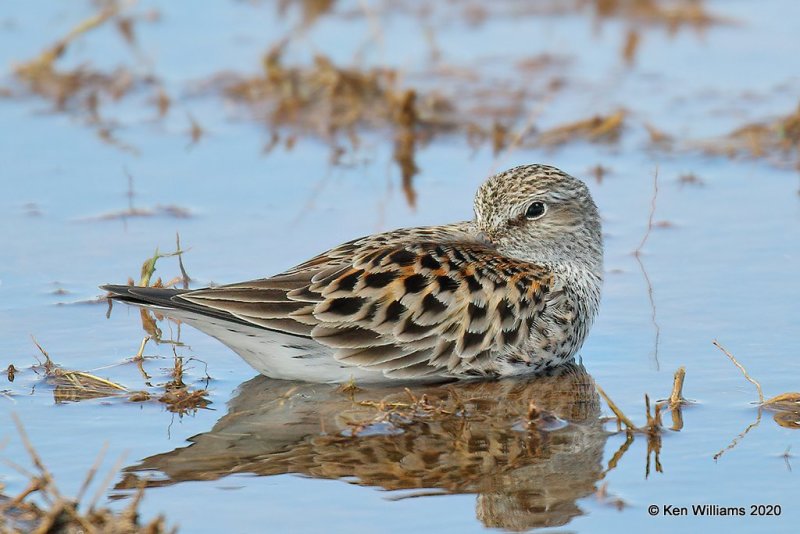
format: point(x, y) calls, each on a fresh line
point(409, 310)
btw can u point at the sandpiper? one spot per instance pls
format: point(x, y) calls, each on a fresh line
point(513, 291)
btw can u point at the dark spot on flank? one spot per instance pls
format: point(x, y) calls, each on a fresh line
point(446, 284)
point(378, 280)
point(350, 336)
point(472, 339)
point(511, 337)
point(345, 306)
point(440, 251)
point(444, 350)
point(432, 304)
point(394, 311)
point(415, 283)
point(505, 310)
point(476, 312)
point(373, 310)
point(410, 327)
point(429, 262)
point(403, 257)
point(522, 285)
point(473, 283)
point(453, 330)
point(348, 282)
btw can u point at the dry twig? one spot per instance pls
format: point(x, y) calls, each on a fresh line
point(742, 369)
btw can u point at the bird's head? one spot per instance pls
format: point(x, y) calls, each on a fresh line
point(540, 214)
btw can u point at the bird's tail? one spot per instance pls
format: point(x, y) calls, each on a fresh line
point(153, 296)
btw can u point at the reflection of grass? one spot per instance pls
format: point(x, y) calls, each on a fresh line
point(637, 254)
point(786, 405)
point(64, 514)
point(653, 428)
point(339, 104)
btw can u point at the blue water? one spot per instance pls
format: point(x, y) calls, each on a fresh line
point(726, 267)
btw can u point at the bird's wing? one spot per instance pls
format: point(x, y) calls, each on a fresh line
point(344, 253)
point(406, 309)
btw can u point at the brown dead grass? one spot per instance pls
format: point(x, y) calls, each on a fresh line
point(177, 396)
point(776, 140)
point(322, 98)
point(674, 15)
point(76, 386)
point(653, 427)
point(82, 90)
point(784, 401)
point(785, 406)
point(57, 513)
point(341, 104)
point(597, 129)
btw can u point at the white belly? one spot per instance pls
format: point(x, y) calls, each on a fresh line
point(279, 355)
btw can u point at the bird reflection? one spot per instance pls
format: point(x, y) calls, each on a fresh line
point(529, 449)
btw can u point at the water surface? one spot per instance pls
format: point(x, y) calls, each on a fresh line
point(721, 263)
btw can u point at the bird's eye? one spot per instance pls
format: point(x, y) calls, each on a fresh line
point(535, 210)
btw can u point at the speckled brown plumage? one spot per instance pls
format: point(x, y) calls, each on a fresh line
point(513, 291)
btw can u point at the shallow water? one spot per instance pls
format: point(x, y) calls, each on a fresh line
point(266, 454)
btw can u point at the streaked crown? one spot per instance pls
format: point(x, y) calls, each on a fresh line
point(540, 213)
